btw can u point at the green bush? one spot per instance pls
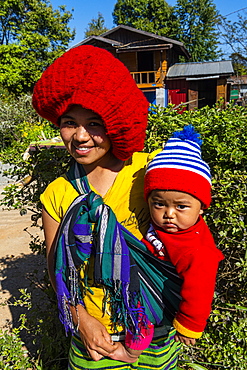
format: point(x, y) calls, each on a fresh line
point(224, 134)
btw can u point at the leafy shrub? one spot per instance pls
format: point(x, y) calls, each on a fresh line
point(19, 123)
point(13, 354)
point(224, 134)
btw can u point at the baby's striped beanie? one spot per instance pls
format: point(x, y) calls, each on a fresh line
point(179, 167)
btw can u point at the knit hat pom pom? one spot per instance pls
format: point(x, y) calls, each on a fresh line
point(188, 133)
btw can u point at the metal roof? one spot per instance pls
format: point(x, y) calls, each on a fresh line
point(223, 67)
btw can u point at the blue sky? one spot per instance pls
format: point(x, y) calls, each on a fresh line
point(86, 10)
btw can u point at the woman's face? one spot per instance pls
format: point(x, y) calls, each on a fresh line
point(84, 136)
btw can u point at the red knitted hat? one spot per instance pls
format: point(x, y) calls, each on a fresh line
point(93, 78)
point(180, 167)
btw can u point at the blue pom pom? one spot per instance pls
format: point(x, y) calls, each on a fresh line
point(188, 133)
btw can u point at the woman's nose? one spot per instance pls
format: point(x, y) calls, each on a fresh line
point(81, 134)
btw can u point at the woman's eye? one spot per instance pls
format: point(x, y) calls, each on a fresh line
point(68, 123)
point(95, 124)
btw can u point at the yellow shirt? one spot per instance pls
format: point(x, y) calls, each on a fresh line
point(126, 199)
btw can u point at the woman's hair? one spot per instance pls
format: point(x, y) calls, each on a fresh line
point(94, 79)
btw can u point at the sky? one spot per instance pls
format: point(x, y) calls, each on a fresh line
point(86, 10)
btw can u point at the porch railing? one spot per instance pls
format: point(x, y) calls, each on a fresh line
point(144, 77)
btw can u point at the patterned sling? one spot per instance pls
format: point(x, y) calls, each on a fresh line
point(136, 282)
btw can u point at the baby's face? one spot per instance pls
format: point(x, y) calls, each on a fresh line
point(173, 210)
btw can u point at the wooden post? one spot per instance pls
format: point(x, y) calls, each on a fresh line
point(221, 89)
point(193, 95)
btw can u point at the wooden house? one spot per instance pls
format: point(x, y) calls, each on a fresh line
point(153, 62)
point(199, 84)
point(146, 55)
point(238, 91)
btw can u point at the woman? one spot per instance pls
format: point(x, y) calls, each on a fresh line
point(102, 117)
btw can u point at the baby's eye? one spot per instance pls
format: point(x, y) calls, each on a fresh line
point(158, 204)
point(181, 206)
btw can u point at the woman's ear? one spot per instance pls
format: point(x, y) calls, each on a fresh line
point(201, 211)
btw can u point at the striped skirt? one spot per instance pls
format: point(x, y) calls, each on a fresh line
point(162, 354)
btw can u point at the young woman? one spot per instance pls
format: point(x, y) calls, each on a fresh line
point(102, 117)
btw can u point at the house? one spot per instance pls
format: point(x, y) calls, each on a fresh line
point(238, 89)
point(199, 84)
point(154, 64)
point(146, 55)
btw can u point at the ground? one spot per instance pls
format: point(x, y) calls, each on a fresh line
point(19, 266)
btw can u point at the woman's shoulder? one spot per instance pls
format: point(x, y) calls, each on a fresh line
point(142, 158)
point(57, 197)
point(59, 181)
point(58, 187)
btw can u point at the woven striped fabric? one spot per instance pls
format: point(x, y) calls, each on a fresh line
point(128, 271)
point(162, 354)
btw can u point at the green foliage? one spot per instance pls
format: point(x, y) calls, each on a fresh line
point(48, 334)
point(96, 27)
point(13, 354)
point(32, 35)
point(224, 134)
point(192, 22)
point(20, 124)
point(148, 15)
point(197, 28)
point(239, 63)
point(234, 35)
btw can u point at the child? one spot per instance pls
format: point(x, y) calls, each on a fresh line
point(177, 187)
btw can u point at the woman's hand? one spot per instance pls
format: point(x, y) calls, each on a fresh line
point(121, 353)
point(94, 335)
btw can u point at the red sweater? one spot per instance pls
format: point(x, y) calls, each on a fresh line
point(196, 258)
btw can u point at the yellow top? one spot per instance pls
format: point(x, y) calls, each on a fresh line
point(126, 199)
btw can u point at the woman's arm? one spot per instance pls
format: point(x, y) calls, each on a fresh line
point(51, 227)
point(93, 334)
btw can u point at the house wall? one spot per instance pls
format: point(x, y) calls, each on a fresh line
point(160, 65)
point(221, 90)
point(193, 95)
point(177, 91)
point(129, 60)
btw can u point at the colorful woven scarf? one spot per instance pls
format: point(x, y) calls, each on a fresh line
point(137, 283)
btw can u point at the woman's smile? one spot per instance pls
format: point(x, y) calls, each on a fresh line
point(84, 136)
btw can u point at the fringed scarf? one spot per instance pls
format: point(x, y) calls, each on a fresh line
point(137, 283)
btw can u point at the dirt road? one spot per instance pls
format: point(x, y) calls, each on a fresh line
point(18, 264)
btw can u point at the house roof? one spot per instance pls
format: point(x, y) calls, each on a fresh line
point(124, 38)
point(200, 70)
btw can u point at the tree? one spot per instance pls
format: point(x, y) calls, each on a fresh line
point(148, 15)
point(96, 27)
point(32, 35)
point(239, 63)
point(197, 28)
point(234, 35)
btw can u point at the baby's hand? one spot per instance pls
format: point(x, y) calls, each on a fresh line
point(186, 340)
point(120, 353)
